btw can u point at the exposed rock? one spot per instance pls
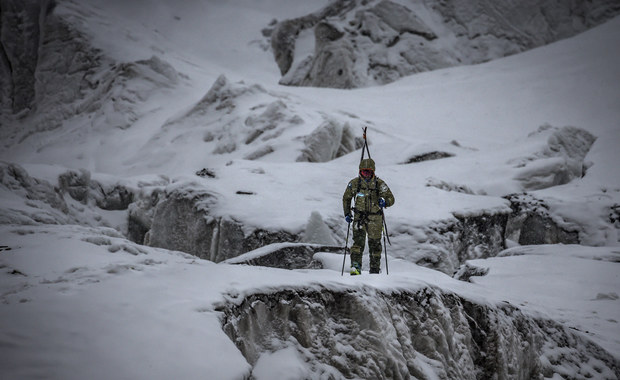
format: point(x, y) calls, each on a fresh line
point(21, 32)
point(138, 223)
point(521, 24)
point(370, 334)
point(435, 155)
point(140, 215)
point(445, 246)
point(285, 32)
point(64, 66)
point(111, 197)
point(366, 42)
point(285, 256)
point(299, 257)
point(480, 236)
point(333, 62)
point(260, 238)
point(614, 215)
point(180, 223)
point(538, 229)
point(400, 19)
point(206, 173)
point(73, 78)
point(530, 223)
point(182, 220)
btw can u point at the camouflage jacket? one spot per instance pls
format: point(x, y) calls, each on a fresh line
point(366, 194)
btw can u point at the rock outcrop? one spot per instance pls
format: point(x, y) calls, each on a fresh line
point(361, 43)
point(21, 32)
point(531, 223)
point(447, 245)
point(180, 217)
point(51, 72)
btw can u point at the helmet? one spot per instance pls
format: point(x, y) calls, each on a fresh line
point(367, 168)
point(367, 163)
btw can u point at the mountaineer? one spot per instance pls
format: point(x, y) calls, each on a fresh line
point(371, 195)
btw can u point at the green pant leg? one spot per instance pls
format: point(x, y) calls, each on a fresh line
point(374, 246)
point(375, 231)
point(359, 242)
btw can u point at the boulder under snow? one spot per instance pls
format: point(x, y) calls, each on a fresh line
point(558, 162)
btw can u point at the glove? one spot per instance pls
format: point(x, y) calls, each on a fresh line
point(381, 202)
point(348, 218)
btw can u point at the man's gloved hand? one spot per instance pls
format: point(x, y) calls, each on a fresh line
point(381, 202)
point(348, 218)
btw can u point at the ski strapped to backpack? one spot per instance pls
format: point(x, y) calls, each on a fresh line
point(365, 147)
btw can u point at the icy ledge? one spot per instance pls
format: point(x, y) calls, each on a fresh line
point(398, 334)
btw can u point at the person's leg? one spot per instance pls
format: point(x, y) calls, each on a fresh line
point(375, 230)
point(359, 242)
point(374, 245)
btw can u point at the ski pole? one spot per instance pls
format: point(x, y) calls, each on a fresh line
point(385, 226)
point(385, 234)
point(387, 269)
point(346, 244)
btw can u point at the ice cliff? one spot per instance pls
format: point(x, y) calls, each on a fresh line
point(370, 333)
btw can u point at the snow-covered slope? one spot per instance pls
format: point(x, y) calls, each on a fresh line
point(525, 152)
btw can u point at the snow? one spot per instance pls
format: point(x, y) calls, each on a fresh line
point(78, 300)
point(569, 283)
point(282, 364)
point(73, 306)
